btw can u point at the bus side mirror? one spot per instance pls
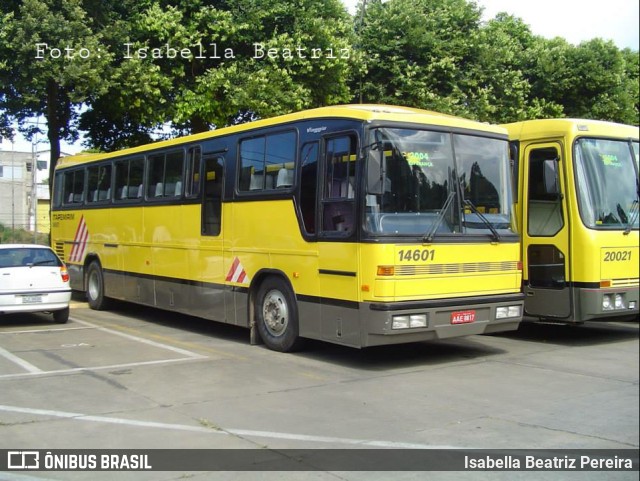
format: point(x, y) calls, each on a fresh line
point(375, 173)
point(375, 166)
point(550, 177)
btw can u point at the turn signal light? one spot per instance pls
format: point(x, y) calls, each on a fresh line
point(386, 270)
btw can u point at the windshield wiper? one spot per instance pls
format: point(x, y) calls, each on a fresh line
point(494, 232)
point(429, 237)
point(633, 214)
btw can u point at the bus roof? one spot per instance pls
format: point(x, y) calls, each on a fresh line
point(364, 112)
point(543, 128)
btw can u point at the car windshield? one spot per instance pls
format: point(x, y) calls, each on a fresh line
point(607, 183)
point(430, 183)
point(27, 256)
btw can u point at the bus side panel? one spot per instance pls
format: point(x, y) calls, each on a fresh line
point(282, 252)
point(338, 270)
point(133, 259)
point(168, 237)
point(207, 294)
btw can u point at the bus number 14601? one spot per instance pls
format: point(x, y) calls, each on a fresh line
point(417, 255)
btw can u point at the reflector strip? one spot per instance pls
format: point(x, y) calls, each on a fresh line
point(79, 242)
point(237, 273)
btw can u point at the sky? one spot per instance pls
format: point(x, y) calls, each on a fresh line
point(574, 20)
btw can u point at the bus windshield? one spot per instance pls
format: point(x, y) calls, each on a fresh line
point(429, 183)
point(607, 183)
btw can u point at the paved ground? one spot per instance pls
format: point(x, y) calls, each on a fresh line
point(138, 378)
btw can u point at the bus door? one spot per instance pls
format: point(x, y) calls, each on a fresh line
point(545, 234)
point(337, 249)
point(206, 262)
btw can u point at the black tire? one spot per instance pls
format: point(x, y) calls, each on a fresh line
point(61, 316)
point(276, 314)
point(95, 287)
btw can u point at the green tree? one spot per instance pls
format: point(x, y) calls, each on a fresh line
point(592, 80)
point(438, 55)
point(416, 52)
point(229, 74)
point(496, 82)
point(52, 63)
point(632, 85)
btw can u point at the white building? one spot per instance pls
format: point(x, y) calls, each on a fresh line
point(19, 180)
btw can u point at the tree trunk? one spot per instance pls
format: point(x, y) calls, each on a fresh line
point(53, 133)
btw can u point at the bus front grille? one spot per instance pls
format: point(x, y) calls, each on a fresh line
point(465, 268)
point(624, 282)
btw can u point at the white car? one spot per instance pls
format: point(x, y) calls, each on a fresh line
point(33, 279)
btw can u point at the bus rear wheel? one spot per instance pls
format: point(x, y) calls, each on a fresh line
point(277, 315)
point(95, 287)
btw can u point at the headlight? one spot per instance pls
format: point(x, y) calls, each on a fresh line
point(400, 322)
point(606, 303)
point(514, 311)
point(409, 321)
point(418, 320)
point(505, 312)
point(619, 302)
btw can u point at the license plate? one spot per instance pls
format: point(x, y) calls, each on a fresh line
point(31, 299)
point(463, 317)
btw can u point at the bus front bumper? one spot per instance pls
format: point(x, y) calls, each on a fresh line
point(400, 322)
point(608, 304)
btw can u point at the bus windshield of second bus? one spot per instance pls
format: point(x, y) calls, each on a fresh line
point(607, 194)
point(429, 183)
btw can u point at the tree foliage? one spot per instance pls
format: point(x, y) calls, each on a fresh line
point(43, 72)
point(414, 52)
point(197, 65)
point(440, 56)
point(247, 59)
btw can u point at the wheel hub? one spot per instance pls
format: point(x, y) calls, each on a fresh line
point(275, 312)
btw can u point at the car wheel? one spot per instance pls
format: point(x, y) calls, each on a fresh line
point(95, 287)
point(277, 315)
point(61, 316)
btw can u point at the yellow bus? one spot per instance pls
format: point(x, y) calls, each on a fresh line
point(357, 225)
point(577, 206)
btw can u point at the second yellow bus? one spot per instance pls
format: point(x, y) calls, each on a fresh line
point(577, 204)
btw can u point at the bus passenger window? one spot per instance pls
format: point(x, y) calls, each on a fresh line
point(129, 177)
point(173, 174)
point(73, 187)
point(267, 162)
point(339, 191)
point(212, 202)
point(165, 175)
point(98, 183)
point(192, 177)
point(309, 185)
point(252, 164)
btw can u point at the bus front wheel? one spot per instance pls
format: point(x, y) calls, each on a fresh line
point(277, 315)
point(95, 287)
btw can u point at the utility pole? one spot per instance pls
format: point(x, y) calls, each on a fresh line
point(33, 207)
point(13, 194)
